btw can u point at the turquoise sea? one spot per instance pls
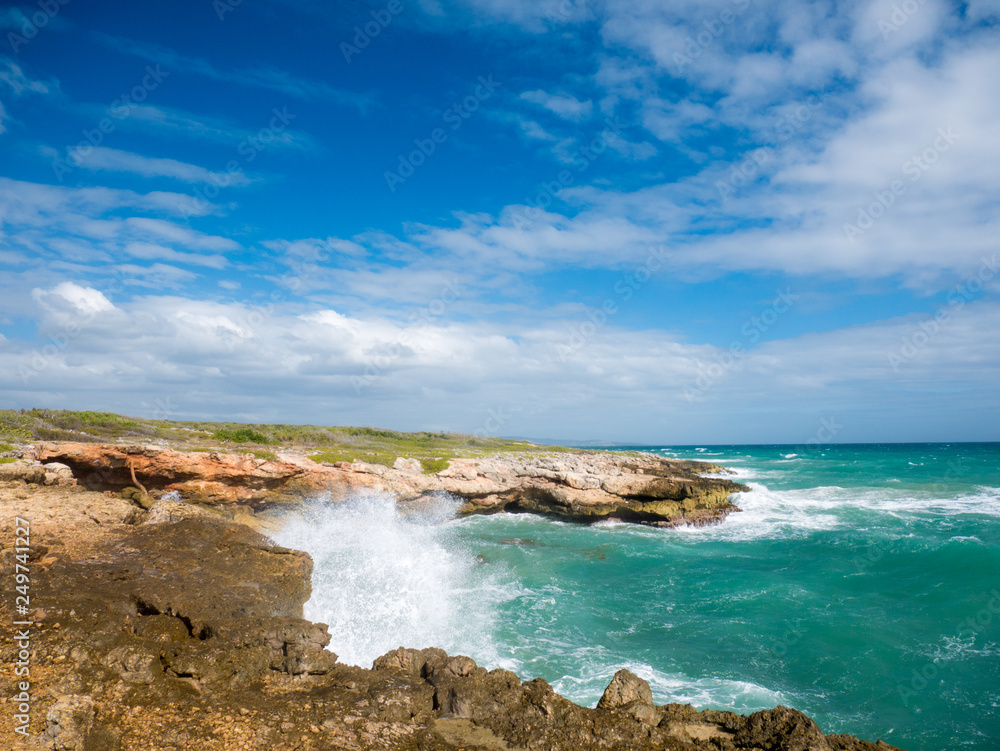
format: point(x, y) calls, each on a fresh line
point(860, 584)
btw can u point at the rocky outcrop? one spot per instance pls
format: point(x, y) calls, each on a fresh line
point(581, 486)
point(189, 634)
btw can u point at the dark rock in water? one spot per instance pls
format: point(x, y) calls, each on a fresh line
point(189, 634)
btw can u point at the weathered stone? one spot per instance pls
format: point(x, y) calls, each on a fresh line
point(584, 487)
point(625, 688)
point(68, 723)
point(189, 634)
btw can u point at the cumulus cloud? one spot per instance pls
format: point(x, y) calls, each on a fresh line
point(585, 375)
point(68, 296)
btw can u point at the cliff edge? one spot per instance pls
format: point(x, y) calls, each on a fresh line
point(175, 628)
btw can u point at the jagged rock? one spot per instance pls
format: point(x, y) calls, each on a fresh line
point(22, 472)
point(630, 693)
point(189, 634)
point(625, 688)
point(583, 487)
point(781, 729)
point(68, 723)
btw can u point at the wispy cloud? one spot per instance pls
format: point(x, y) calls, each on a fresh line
point(103, 159)
point(563, 105)
point(82, 231)
point(14, 77)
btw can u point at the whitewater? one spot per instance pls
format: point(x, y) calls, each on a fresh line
point(860, 584)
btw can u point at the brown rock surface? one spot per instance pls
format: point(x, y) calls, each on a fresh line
point(581, 486)
point(188, 635)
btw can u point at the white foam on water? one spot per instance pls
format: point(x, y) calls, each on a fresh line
point(741, 696)
point(766, 514)
point(385, 578)
point(770, 513)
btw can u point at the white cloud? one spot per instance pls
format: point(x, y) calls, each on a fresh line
point(81, 232)
point(563, 105)
point(533, 130)
point(101, 158)
point(565, 376)
point(19, 83)
point(151, 251)
point(82, 300)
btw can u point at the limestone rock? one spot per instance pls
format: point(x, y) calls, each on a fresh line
point(582, 486)
point(625, 688)
point(407, 465)
point(68, 723)
point(189, 634)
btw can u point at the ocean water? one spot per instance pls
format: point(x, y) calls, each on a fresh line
point(860, 584)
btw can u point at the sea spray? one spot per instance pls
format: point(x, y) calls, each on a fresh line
point(387, 576)
point(848, 570)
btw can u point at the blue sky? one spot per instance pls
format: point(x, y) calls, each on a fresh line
point(633, 221)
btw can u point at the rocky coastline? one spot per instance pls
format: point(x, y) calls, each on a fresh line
point(164, 618)
point(585, 486)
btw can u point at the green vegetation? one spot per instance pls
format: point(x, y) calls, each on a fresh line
point(7, 459)
point(324, 444)
point(23, 426)
point(433, 466)
point(241, 435)
point(5, 447)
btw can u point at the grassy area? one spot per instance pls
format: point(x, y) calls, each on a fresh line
point(242, 435)
point(324, 444)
